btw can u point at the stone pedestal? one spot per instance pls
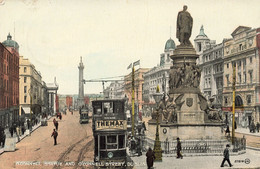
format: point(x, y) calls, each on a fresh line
point(190, 105)
point(186, 131)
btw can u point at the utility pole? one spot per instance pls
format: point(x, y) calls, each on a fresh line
point(133, 101)
point(233, 108)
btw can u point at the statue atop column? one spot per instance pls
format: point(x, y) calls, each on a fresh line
point(184, 26)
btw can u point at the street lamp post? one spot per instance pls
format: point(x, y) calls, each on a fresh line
point(30, 124)
point(233, 105)
point(157, 144)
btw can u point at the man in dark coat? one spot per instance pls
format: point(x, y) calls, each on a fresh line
point(179, 155)
point(56, 125)
point(150, 158)
point(227, 131)
point(257, 126)
point(226, 156)
point(55, 135)
point(3, 138)
point(54, 121)
point(11, 130)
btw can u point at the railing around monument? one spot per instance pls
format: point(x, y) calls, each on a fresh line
point(198, 146)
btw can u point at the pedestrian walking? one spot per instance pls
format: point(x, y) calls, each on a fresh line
point(23, 130)
point(54, 121)
point(11, 130)
point(257, 126)
point(28, 124)
point(150, 158)
point(179, 155)
point(226, 156)
point(227, 131)
point(56, 125)
point(54, 135)
point(3, 137)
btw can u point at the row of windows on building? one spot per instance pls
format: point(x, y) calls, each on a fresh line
point(8, 57)
point(4, 84)
point(5, 69)
point(248, 99)
point(212, 56)
point(218, 68)
point(242, 61)
point(239, 77)
point(219, 82)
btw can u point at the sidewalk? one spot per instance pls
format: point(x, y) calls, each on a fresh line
point(25, 134)
point(246, 132)
point(200, 162)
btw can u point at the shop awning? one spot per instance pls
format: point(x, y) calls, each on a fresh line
point(26, 110)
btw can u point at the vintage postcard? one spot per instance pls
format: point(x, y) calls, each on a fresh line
point(129, 84)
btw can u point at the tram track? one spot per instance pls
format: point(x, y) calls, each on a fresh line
point(67, 152)
point(82, 152)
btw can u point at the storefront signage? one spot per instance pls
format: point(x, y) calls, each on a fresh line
point(111, 124)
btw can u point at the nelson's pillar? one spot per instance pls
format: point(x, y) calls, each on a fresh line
point(81, 85)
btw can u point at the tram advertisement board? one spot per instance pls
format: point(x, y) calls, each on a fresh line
point(111, 124)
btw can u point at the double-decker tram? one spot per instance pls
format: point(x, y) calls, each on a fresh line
point(109, 130)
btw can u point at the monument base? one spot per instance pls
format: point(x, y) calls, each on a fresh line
point(186, 131)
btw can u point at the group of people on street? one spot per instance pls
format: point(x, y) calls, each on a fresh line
point(150, 155)
point(254, 128)
point(17, 128)
point(59, 116)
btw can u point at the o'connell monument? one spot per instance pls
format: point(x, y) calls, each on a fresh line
point(186, 113)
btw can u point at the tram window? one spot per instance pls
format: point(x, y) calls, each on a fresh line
point(111, 142)
point(97, 110)
point(108, 107)
point(121, 141)
point(118, 107)
point(102, 142)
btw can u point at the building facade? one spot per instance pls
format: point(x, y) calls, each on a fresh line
point(138, 87)
point(69, 101)
point(53, 99)
point(31, 89)
point(115, 90)
point(9, 82)
point(210, 62)
point(242, 50)
point(158, 75)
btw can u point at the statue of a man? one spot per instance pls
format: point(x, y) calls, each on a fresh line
point(184, 26)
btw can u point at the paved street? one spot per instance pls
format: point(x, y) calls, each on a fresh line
point(252, 139)
point(201, 162)
point(75, 144)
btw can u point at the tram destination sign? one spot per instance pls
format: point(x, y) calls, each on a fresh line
point(111, 124)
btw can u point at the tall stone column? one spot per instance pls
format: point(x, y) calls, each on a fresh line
point(81, 84)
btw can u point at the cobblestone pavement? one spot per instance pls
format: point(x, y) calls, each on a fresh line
point(75, 145)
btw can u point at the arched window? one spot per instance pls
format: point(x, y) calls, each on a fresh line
point(238, 101)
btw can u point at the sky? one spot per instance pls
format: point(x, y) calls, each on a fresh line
point(110, 34)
